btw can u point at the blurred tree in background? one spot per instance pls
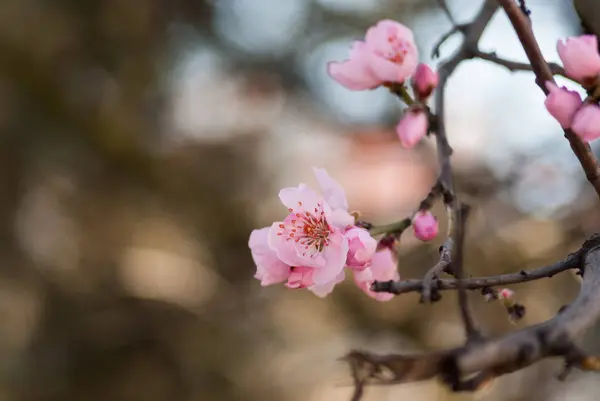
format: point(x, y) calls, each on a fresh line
point(140, 142)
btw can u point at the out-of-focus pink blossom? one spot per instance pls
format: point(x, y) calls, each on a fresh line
point(425, 225)
point(361, 247)
point(412, 127)
point(312, 235)
point(269, 269)
point(424, 81)
point(586, 123)
point(562, 104)
point(382, 268)
point(580, 57)
point(388, 55)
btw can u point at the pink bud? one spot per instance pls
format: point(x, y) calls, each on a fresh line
point(506, 293)
point(412, 127)
point(586, 123)
point(580, 56)
point(562, 104)
point(425, 225)
point(424, 81)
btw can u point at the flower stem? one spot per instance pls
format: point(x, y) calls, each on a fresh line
point(394, 228)
point(400, 91)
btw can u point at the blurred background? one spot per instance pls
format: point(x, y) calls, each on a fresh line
point(141, 142)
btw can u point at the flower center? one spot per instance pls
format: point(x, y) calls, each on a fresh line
point(397, 50)
point(310, 230)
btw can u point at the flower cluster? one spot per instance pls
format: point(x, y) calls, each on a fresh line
point(317, 241)
point(582, 63)
point(388, 57)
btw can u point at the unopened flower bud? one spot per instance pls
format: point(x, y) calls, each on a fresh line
point(425, 225)
point(424, 81)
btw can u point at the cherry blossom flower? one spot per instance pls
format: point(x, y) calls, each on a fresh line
point(387, 55)
point(312, 235)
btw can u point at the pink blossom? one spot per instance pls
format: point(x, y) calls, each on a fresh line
point(312, 235)
point(382, 268)
point(586, 123)
point(424, 81)
point(425, 225)
point(412, 127)
point(269, 269)
point(562, 104)
point(388, 54)
point(580, 56)
point(361, 247)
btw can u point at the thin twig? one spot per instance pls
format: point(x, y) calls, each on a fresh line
point(513, 66)
point(406, 286)
point(522, 25)
point(461, 213)
point(429, 292)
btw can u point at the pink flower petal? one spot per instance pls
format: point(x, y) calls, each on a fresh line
point(269, 269)
point(580, 56)
point(354, 73)
point(322, 290)
point(562, 104)
point(586, 123)
point(412, 128)
point(300, 198)
point(361, 247)
point(333, 192)
point(334, 256)
point(382, 268)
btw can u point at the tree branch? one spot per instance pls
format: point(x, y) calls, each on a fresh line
point(543, 73)
point(406, 286)
point(473, 32)
point(487, 359)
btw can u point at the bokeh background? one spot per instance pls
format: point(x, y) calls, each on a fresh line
point(141, 142)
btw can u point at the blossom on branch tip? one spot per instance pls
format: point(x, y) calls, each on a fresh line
point(382, 268)
point(387, 55)
point(312, 234)
point(586, 123)
point(424, 81)
point(425, 225)
point(562, 104)
point(580, 56)
point(413, 126)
